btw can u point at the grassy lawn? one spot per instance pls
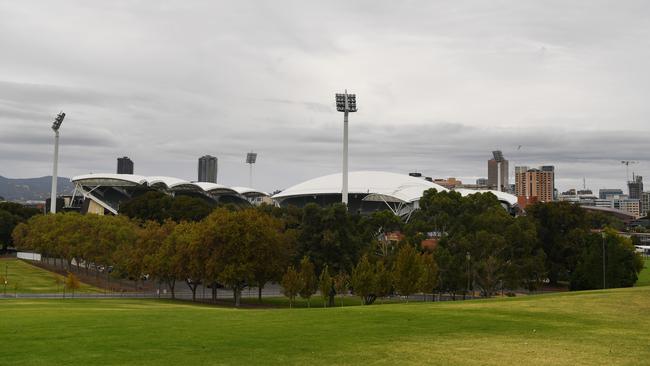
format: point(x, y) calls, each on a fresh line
point(644, 275)
point(25, 278)
point(584, 328)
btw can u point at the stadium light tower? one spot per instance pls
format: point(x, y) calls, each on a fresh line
point(498, 157)
point(55, 127)
point(345, 103)
point(251, 158)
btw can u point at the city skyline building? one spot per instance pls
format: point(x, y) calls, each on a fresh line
point(606, 193)
point(124, 165)
point(535, 183)
point(208, 167)
point(635, 187)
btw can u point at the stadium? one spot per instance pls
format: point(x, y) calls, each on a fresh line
point(370, 191)
point(103, 193)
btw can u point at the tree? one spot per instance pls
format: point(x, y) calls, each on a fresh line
point(291, 284)
point(341, 285)
point(191, 252)
point(247, 246)
point(72, 282)
point(429, 279)
point(12, 214)
point(332, 236)
point(326, 285)
point(308, 279)
point(622, 263)
point(164, 263)
point(383, 280)
point(157, 206)
point(562, 228)
point(363, 281)
point(408, 271)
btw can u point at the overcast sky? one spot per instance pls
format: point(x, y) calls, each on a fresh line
point(439, 86)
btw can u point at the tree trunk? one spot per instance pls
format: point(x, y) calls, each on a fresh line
point(172, 284)
point(236, 295)
point(259, 292)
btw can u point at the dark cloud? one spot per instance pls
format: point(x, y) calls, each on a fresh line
point(439, 86)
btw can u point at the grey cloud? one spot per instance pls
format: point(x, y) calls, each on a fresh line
point(439, 86)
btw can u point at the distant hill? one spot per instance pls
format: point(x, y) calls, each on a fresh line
point(32, 188)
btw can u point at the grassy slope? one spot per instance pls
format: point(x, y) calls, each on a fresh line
point(31, 279)
point(644, 275)
point(586, 328)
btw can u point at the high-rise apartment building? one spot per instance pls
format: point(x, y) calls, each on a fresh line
point(124, 165)
point(635, 187)
point(645, 203)
point(208, 169)
point(538, 183)
point(607, 193)
point(498, 172)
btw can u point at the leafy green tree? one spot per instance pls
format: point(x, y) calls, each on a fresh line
point(429, 279)
point(12, 214)
point(325, 285)
point(308, 278)
point(247, 246)
point(191, 253)
point(363, 281)
point(408, 271)
point(622, 263)
point(72, 282)
point(157, 206)
point(341, 285)
point(291, 284)
point(383, 280)
point(331, 236)
point(561, 228)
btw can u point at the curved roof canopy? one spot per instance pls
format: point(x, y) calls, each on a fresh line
point(378, 185)
point(250, 192)
point(169, 183)
point(110, 179)
point(511, 199)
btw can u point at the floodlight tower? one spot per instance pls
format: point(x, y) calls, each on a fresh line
point(345, 103)
point(498, 157)
point(251, 157)
point(55, 127)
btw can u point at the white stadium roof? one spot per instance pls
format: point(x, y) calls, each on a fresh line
point(171, 183)
point(382, 185)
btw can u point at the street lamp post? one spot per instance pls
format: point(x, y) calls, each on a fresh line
point(345, 103)
point(468, 257)
point(55, 127)
point(604, 271)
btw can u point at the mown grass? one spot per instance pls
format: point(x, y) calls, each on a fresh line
point(582, 328)
point(23, 278)
point(644, 275)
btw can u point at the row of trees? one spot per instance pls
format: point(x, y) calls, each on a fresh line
point(479, 246)
point(230, 248)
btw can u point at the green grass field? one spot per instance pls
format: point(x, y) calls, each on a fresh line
point(582, 328)
point(24, 278)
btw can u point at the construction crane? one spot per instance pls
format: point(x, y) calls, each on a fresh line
point(627, 168)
